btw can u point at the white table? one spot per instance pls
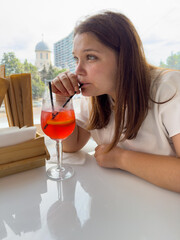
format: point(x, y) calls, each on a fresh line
point(97, 203)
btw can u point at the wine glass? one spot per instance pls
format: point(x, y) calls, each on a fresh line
point(58, 122)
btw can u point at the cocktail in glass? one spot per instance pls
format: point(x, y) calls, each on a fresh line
point(58, 123)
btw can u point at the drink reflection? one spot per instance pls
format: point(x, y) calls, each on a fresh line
point(82, 203)
point(73, 207)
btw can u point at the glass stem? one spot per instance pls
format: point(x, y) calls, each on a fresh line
point(59, 154)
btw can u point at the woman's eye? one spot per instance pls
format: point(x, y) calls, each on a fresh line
point(91, 57)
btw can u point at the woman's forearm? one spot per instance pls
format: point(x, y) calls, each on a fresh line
point(69, 144)
point(163, 171)
point(76, 140)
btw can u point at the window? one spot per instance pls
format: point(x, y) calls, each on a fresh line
point(157, 23)
point(3, 117)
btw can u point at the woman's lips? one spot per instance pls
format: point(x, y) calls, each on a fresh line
point(84, 85)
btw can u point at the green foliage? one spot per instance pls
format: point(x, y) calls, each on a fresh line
point(13, 65)
point(37, 89)
point(37, 85)
point(43, 74)
point(57, 71)
point(172, 62)
point(51, 73)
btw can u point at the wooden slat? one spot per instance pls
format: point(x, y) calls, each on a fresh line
point(22, 165)
point(28, 149)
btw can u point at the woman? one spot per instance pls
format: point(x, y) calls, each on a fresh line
point(131, 109)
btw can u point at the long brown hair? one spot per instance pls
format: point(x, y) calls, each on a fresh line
point(133, 75)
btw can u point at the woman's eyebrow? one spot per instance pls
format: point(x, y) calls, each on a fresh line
point(89, 50)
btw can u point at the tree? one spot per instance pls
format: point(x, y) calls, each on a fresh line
point(12, 64)
point(172, 62)
point(30, 68)
point(53, 72)
point(57, 70)
point(50, 73)
point(37, 85)
point(43, 74)
point(37, 88)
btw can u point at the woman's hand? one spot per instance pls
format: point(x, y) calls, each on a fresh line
point(163, 171)
point(65, 84)
point(109, 159)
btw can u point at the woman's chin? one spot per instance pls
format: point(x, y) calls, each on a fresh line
point(86, 93)
point(89, 92)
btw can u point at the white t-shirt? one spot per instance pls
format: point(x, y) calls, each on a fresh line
point(161, 123)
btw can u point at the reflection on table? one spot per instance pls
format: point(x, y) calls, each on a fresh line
point(97, 203)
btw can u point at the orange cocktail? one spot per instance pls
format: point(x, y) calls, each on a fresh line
point(61, 126)
point(58, 122)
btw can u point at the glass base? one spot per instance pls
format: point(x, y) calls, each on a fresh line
point(55, 173)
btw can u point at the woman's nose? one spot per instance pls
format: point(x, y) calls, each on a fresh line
point(80, 69)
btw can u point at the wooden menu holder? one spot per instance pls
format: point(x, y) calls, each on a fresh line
point(24, 156)
point(27, 155)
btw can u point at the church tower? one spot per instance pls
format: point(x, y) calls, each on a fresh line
point(43, 55)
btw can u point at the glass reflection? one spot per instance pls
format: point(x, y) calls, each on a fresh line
point(60, 191)
point(82, 203)
point(68, 215)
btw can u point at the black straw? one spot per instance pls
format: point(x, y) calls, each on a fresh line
point(51, 97)
point(54, 115)
point(80, 85)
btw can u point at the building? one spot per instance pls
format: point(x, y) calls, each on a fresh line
point(43, 55)
point(63, 57)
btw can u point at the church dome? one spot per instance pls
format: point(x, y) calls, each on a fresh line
point(42, 46)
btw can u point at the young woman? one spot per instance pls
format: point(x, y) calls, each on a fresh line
point(130, 108)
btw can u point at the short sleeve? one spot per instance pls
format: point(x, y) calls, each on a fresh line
point(81, 106)
point(169, 112)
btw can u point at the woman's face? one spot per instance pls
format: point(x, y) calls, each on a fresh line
point(96, 65)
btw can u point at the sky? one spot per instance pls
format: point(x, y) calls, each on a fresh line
point(24, 22)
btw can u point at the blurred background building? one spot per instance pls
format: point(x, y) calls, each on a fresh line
point(63, 57)
point(43, 55)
